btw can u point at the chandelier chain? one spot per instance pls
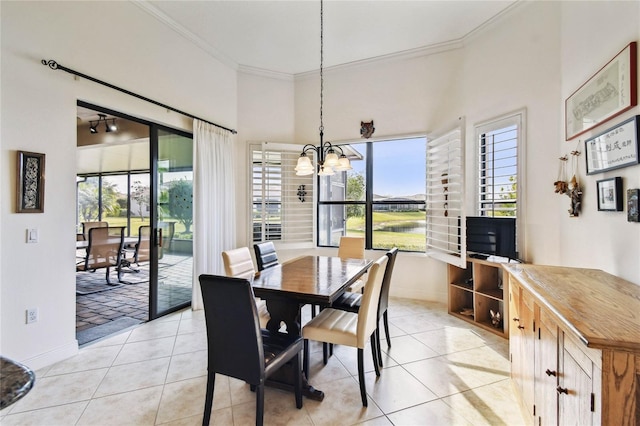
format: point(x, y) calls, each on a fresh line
point(321, 66)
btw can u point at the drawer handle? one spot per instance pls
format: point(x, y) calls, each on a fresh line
point(516, 319)
point(550, 373)
point(562, 390)
point(521, 327)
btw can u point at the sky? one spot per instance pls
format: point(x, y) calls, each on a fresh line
point(399, 166)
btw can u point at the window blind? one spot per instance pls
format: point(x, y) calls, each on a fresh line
point(446, 238)
point(282, 203)
point(498, 171)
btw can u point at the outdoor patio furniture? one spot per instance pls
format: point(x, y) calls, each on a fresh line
point(104, 250)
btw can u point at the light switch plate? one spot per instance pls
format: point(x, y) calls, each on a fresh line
point(32, 235)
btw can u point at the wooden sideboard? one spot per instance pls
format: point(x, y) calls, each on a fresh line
point(575, 345)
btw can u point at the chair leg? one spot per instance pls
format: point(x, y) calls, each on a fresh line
point(374, 353)
point(107, 276)
point(208, 401)
point(377, 333)
point(305, 359)
point(386, 328)
point(363, 388)
point(313, 311)
point(260, 404)
point(298, 380)
point(325, 352)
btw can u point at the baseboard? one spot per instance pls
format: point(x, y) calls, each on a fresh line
point(51, 357)
point(418, 294)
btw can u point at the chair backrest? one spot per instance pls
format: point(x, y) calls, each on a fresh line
point(368, 312)
point(233, 329)
point(105, 247)
point(351, 248)
point(386, 281)
point(168, 231)
point(143, 247)
point(86, 226)
point(266, 255)
point(238, 263)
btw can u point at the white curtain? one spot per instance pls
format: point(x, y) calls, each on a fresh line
point(213, 202)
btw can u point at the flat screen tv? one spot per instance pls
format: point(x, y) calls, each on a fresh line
point(491, 236)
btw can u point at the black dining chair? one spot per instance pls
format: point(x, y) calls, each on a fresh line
point(266, 256)
point(351, 302)
point(238, 347)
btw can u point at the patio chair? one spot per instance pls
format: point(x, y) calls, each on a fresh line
point(86, 226)
point(168, 230)
point(141, 252)
point(238, 347)
point(104, 249)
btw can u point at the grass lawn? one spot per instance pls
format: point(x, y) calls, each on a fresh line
point(387, 239)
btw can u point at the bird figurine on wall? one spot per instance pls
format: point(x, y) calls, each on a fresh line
point(367, 129)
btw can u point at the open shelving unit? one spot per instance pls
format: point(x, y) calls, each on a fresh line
point(476, 290)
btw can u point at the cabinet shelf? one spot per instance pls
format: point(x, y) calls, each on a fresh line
point(477, 288)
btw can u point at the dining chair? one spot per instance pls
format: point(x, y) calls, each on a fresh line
point(141, 252)
point(238, 347)
point(340, 327)
point(238, 263)
point(104, 249)
point(352, 248)
point(351, 302)
point(266, 256)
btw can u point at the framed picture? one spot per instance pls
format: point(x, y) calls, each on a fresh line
point(611, 91)
point(633, 205)
point(610, 194)
point(614, 148)
point(30, 182)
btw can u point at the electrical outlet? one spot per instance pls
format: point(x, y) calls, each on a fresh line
point(32, 315)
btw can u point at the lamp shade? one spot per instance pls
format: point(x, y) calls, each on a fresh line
point(331, 159)
point(343, 164)
point(325, 171)
point(304, 166)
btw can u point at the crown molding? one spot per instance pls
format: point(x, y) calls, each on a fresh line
point(180, 29)
point(391, 57)
point(395, 56)
point(261, 72)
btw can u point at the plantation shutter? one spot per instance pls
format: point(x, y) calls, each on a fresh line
point(278, 210)
point(498, 166)
point(446, 239)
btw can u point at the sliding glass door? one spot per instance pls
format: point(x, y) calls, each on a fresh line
point(172, 181)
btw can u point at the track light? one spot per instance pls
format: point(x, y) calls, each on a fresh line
point(93, 125)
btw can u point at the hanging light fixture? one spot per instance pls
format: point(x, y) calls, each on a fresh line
point(328, 159)
point(108, 127)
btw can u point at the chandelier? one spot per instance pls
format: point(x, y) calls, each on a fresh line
point(328, 159)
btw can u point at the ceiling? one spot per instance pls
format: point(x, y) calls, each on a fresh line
point(284, 36)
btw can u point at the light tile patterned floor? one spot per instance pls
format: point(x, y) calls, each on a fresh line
point(439, 371)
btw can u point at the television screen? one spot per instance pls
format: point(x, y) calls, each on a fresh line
point(492, 236)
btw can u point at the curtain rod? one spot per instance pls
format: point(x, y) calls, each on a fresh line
point(56, 66)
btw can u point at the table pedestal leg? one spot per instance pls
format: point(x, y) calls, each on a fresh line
point(288, 312)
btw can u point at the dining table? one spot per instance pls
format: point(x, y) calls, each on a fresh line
point(287, 287)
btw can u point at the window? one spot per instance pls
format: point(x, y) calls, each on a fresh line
point(121, 199)
point(498, 151)
point(381, 199)
point(282, 203)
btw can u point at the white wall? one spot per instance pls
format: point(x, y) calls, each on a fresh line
point(122, 45)
point(265, 114)
point(592, 34)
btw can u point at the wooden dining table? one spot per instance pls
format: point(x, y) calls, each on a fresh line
point(287, 287)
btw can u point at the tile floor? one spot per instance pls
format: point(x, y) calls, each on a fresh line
point(439, 371)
